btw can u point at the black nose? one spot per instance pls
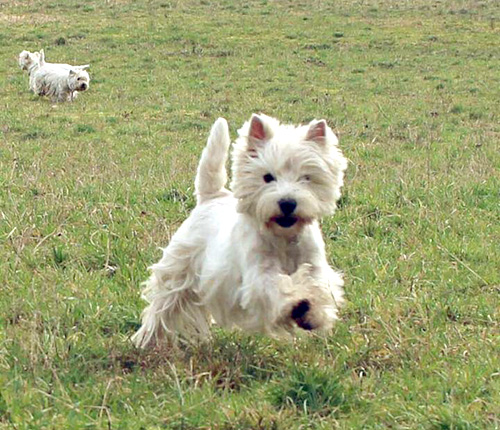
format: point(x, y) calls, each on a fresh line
point(287, 206)
point(84, 86)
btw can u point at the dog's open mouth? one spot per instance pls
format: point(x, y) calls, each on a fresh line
point(286, 221)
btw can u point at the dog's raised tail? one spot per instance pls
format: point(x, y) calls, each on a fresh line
point(42, 58)
point(212, 176)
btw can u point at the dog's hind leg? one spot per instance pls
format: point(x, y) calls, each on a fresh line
point(174, 305)
point(211, 176)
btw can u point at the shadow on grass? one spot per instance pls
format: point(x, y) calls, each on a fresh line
point(229, 361)
point(313, 390)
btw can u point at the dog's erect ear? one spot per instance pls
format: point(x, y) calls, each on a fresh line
point(84, 67)
point(72, 72)
point(258, 131)
point(317, 131)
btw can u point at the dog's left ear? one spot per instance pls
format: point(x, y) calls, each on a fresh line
point(317, 131)
point(85, 67)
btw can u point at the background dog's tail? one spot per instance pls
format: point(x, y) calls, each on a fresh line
point(211, 176)
point(42, 58)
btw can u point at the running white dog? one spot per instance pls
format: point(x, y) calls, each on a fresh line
point(30, 61)
point(61, 82)
point(252, 258)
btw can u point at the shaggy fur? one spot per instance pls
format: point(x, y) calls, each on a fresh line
point(27, 59)
point(254, 257)
point(30, 61)
point(61, 82)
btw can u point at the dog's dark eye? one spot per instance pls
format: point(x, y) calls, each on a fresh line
point(268, 178)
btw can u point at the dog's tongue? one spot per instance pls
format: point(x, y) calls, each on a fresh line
point(286, 221)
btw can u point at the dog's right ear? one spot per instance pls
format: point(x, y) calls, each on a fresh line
point(72, 72)
point(258, 131)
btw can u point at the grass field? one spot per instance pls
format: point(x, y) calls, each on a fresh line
point(90, 190)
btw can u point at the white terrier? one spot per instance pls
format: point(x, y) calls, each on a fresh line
point(253, 258)
point(30, 61)
point(61, 82)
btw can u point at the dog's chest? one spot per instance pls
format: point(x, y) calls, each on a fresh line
point(289, 258)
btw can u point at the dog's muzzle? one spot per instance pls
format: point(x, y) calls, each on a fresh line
point(287, 207)
point(286, 221)
point(83, 87)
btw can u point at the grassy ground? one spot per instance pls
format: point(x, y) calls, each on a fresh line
point(90, 190)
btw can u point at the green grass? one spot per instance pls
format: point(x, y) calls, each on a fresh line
point(90, 190)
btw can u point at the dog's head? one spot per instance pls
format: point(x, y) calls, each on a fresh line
point(79, 79)
point(286, 176)
point(28, 59)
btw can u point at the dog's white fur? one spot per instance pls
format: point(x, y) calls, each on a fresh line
point(54, 79)
point(248, 258)
point(27, 59)
point(30, 61)
point(61, 82)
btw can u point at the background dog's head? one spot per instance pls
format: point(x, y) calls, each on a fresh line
point(28, 59)
point(79, 79)
point(286, 176)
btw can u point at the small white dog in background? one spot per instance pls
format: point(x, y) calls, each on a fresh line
point(30, 61)
point(61, 82)
point(254, 257)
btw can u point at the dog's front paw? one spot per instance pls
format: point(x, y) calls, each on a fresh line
point(314, 307)
point(300, 315)
point(304, 273)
